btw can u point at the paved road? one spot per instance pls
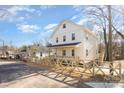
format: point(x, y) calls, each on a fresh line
point(20, 75)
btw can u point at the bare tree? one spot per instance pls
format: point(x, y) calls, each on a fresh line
point(102, 19)
point(110, 38)
point(98, 13)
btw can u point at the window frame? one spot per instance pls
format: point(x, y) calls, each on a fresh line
point(63, 52)
point(57, 39)
point(87, 37)
point(41, 54)
point(73, 36)
point(73, 52)
point(64, 38)
point(87, 53)
point(64, 26)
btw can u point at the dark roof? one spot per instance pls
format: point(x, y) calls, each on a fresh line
point(68, 44)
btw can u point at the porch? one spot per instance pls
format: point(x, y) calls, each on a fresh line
point(70, 50)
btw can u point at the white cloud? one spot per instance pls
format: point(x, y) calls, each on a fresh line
point(44, 7)
point(27, 28)
point(16, 9)
point(4, 14)
point(39, 13)
point(10, 13)
point(77, 7)
point(21, 18)
point(82, 21)
point(45, 35)
point(74, 17)
point(50, 27)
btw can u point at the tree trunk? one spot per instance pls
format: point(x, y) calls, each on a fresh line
point(122, 50)
point(110, 39)
point(106, 46)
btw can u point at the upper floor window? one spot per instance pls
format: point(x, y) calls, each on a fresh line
point(64, 38)
point(64, 26)
point(73, 52)
point(73, 36)
point(57, 40)
point(87, 37)
point(64, 52)
point(86, 52)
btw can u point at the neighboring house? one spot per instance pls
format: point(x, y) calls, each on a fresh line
point(37, 50)
point(73, 40)
point(42, 52)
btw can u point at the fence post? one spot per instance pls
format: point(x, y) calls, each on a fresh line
point(120, 69)
point(93, 69)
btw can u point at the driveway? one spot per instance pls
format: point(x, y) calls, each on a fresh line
point(19, 75)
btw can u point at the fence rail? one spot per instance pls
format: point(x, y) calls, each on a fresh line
point(72, 65)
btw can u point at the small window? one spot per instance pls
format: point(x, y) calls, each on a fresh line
point(86, 52)
point(86, 37)
point(64, 38)
point(64, 26)
point(73, 36)
point(73, 52)
point(57, 40)
point(41, 54)
point(64, 53)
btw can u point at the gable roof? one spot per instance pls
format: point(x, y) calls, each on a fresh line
point(80, 26)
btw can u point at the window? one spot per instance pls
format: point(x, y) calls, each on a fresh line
point(57, 40)
point(86, 37)
point(73, 52)
point(86, 52)
point(64, 38)
point(41, 54)
point(64, 53)
point(73, 36)
point(64, 26)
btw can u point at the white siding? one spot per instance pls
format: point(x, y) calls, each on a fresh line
point(80, 36)
point(70, 28)
point(43, 55)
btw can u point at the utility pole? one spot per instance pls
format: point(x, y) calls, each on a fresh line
point(3, 49)
point(110, 39)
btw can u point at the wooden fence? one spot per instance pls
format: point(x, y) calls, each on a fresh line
point(72, 65)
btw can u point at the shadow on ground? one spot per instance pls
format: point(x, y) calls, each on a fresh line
point(17, 71)
point(9, 72)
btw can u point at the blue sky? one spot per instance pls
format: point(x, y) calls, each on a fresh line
point(25, 24)
point(22, 25)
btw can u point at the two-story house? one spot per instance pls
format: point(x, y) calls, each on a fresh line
point(72, 40)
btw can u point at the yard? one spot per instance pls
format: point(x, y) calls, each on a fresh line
point(17, 74)
point(20, 75)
